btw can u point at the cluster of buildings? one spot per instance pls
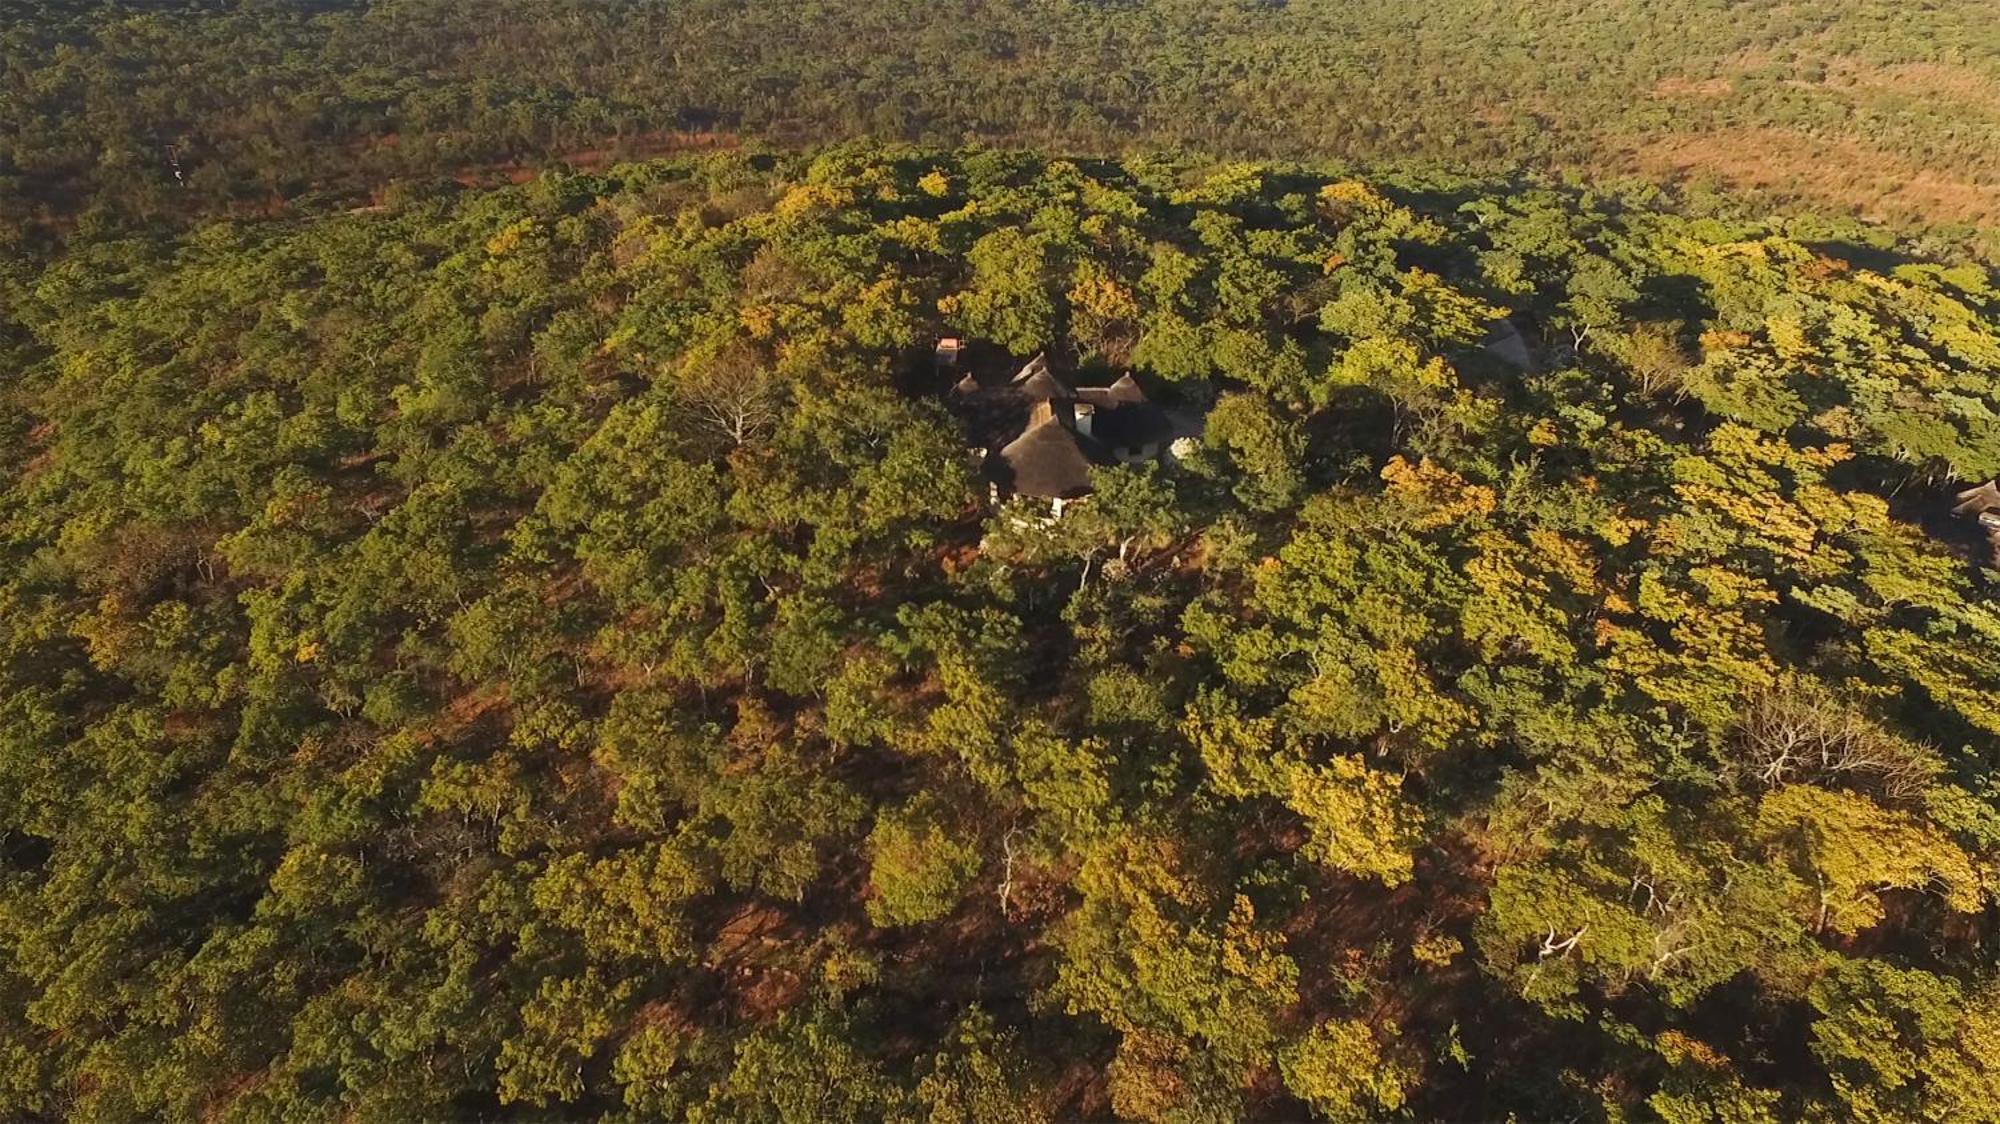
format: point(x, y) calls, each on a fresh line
point(1038, 434)
point(1982, 506)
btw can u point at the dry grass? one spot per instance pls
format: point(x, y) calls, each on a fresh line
point(1681, 86)
point(1842, 173)
point(1945, 83)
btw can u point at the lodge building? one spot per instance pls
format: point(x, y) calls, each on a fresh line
point(1038, 435)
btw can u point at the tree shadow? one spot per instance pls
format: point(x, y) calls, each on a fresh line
point(1674, 296)
point(1879, 259)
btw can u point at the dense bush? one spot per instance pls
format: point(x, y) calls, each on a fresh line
point(425, 691)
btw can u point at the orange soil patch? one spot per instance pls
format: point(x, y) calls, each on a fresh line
point(1842, 173)
point(39, 463)
point(750, 933)
point(469, 708)
point(750, 954)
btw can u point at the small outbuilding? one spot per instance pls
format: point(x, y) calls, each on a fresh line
point(950, 350)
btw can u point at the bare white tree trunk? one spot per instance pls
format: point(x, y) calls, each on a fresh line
point(739, 401)
point(1007, 869)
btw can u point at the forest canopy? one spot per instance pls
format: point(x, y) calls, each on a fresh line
point(127, 108)
point(418, 700)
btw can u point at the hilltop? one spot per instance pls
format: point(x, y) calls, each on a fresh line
point(548, 652)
